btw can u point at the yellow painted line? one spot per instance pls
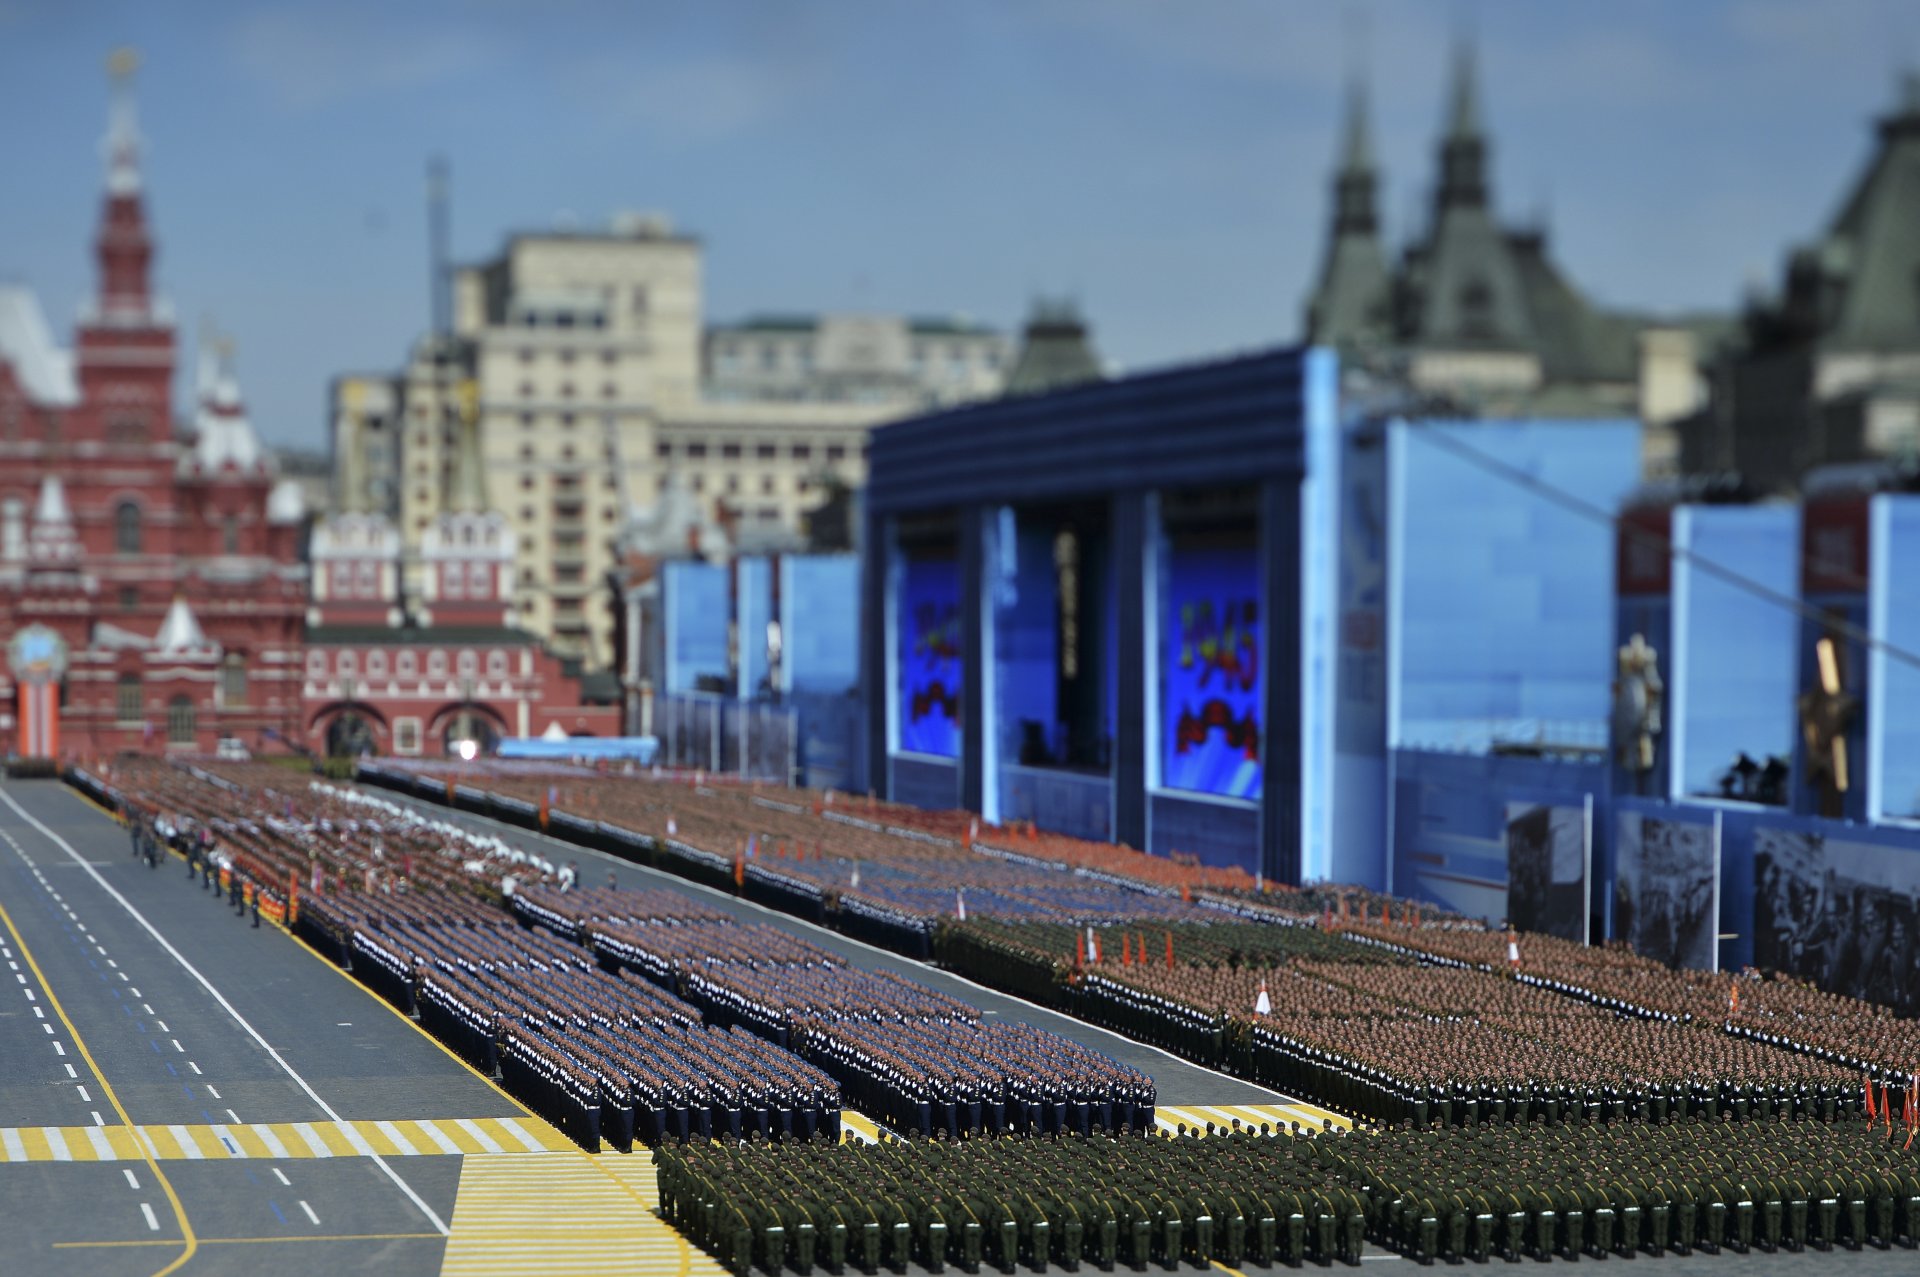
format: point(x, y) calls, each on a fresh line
point(189, 1243)
point(862, 1126)
point(249, 1141)
point(527, 1113)
point(388, 1139)
point(430, 1133)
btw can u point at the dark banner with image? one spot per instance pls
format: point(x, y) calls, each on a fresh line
point(1844, 915)
point(1211, 714)
point(1666, 896)
point(1547, 865)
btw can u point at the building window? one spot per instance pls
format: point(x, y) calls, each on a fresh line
point(698, 483)
point(126, 700)
point(233, 680)
point(836, 452)
point(469, 663)
point(376, 664)
point(230, 534)
point(733, 483)
point(730, 451)
point(526, 356)
point(526, 452)
point(639, 301)
point(526, 390)
point(126, 528)
point(663, 449)
point(496, 664)
point(696, 451)
point(766, 451)
point(407, 664)
point(767, 513)
point(609, 357)
point(566, 390)
point(566, 356)
point(129, 597)
point(609, 390)
point(526, 421)
point(406, 735)
point(181, 723)
point(347, 663)
point(437, 664)
point(802, 451)
point(766, 484)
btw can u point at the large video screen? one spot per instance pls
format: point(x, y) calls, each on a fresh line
point(1211, 676)
point(929, 656)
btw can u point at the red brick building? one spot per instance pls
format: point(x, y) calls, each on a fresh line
point(167, 561)
point(415, 658)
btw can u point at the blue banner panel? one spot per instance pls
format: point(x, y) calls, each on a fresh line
point(1211, 672)
point(753, 614)
point(820, 622)
point(696, 621)
point(930, 667)
point(1894, 743)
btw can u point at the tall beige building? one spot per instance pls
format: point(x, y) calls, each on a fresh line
point(597, 383)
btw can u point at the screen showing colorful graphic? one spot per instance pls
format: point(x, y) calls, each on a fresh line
point(1210, 713)
point(930, 677)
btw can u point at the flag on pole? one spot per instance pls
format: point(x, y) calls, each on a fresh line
point(1263, 1005)
point(1126, 949)
point(856, 875)
point(1733, 999)
point(1871, 1115)
point(739, 871)
point(960, 905)
point(672, 828)
point(1169, 950)
point(1513, 949)
point(753, 845)
point(1093, 946)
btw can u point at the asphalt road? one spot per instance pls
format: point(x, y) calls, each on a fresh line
point(209, 1022)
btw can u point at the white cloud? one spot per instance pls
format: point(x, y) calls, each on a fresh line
point(312, 59)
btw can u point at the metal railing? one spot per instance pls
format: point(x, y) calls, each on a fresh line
point(751, 740)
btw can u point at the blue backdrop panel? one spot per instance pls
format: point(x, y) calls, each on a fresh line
point(1502, 597)
point(820, 622)
point(696, 624)
point(930, 665)
point(753, 610)
point(1210, 670)
point(1734, 652)
point(1451, 814)
point(1894, 750)
point(1026, 646)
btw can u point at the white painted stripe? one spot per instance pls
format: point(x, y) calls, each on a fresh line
point(15, 1146)
point(310, 1215)
point(282, 1178)
point(272, 1141)
point(486, 1141)
point(395, 1138)
point(132, 1183)
point(228, 1142)
point(188, 1148)
point(433, 1217)
point(527, 1139)
point(356, 1139)
point(152, 1223)
point(312, 1139)
point(57, 1142)
point(434, 1133)
point(102, 1149)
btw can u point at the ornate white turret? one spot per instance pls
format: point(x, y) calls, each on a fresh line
point(226, 439)
point(180, 633)
point(51, 540)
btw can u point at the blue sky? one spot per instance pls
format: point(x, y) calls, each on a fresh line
point(1164, 161)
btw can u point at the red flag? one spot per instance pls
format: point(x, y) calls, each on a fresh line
point(1169, 950)
point(1079, 949)
point(740, 871)
point(1185, 895)
point(1733, 999)
point(1871, 1115)
point(1126, 949)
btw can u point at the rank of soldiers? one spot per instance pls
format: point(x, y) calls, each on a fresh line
point(1239, 1197)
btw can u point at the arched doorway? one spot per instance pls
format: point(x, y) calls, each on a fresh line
point(350, 736)
point(470, 724)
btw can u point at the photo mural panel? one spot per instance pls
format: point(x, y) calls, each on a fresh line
point(1666, 895)
point(1211, 714)
point(930, 669)
point(1548, 860)
point(1842, 914)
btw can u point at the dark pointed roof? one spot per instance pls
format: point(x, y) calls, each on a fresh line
point(1055, 351)
point(1350, 308)
point(1871, 255)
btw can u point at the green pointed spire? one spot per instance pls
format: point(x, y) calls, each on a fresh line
point(1463, 115)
